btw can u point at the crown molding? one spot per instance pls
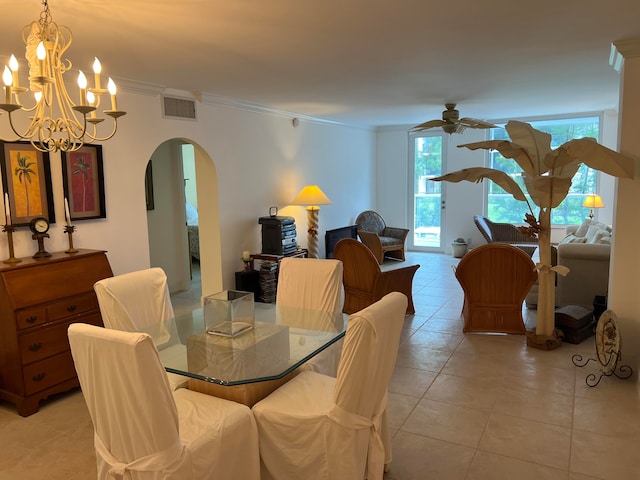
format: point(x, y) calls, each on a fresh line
point(144, 88)
point(628, 47)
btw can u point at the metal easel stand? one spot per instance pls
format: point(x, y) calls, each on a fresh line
point(606, 370)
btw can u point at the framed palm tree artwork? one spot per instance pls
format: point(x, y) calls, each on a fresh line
point(83, 182)
point(26, 183)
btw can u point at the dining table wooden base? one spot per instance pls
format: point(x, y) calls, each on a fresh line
point(248, 394)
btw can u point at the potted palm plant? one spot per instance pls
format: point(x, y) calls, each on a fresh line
point(547, 178)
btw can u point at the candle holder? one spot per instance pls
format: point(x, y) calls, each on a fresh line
point(247, 265)
point(10, 229)
point(69, 229)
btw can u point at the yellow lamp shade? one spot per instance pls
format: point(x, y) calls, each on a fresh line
point(311, 195)
point(593, 201)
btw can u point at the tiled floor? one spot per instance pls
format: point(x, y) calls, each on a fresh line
point(471, 407)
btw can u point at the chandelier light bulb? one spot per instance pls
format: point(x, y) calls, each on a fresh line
point(82, 83)
point(97, 69)
point(111, 86)
point(14, 65)
point(41, 54)
point(82, 80)
point(91, 100)
point(7, 77)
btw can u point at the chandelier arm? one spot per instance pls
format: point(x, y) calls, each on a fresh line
point(95, 138)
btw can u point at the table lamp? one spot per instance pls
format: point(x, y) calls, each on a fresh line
point(311, 196)
point(592, 201)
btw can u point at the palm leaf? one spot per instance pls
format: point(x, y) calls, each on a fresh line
point(507, 150)
point(477, 174)
point(547, 191)
point(537, 144)
point(599, 157)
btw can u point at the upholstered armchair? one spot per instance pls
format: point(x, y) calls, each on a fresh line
point(381, 240)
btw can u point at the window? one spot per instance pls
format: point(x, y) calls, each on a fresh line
point(502, 207)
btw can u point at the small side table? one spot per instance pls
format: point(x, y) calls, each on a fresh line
point(249, 281)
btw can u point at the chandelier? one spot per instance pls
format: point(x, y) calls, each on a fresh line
point(54, 122)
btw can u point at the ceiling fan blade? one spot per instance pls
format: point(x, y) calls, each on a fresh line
point(475, 123)
point(427, 125)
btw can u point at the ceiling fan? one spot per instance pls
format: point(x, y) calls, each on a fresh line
point(452, 123)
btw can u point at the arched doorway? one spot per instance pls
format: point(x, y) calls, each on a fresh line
point(167, 220)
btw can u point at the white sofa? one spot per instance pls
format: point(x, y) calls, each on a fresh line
point(585, 250)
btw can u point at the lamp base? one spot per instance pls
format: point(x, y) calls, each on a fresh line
point(312, 231)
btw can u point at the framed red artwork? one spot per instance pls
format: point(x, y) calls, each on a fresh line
point(83, 182)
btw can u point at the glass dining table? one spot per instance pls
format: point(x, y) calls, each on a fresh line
point(247, 367)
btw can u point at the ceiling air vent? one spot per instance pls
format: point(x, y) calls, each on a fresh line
point(179, 108)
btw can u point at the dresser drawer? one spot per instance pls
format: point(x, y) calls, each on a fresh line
point(30, 317)
point(51, 312)
point(72, 306)
point(49, 341)
point(48, 372)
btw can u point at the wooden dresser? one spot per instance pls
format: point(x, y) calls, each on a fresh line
point(38, 301)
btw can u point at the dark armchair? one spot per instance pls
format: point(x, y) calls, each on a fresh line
point(364, 282)
point(383, 241)
point(505, 233)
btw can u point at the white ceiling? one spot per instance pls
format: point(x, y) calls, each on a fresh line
point(369, 63)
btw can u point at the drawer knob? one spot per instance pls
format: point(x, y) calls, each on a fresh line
point(34, 347)
point(71, 308)
point(39, 377)
point(32, 319)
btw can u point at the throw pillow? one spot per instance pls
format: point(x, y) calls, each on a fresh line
point(582, 229)
point(571, 238)
point(600, 225)
point(605, 240)
point(602, 235)
point(594, 232)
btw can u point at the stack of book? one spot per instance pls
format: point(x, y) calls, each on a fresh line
point(268, 281)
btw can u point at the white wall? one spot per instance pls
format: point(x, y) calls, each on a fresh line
point(260, 160)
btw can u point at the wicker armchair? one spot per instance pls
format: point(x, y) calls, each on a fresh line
point(381, 240)
point(505, 233)
point(364, 282)
point(495, 279)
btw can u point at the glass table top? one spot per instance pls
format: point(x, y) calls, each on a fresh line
point(282, 339)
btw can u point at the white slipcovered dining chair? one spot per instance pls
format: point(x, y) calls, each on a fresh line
point(143, 429)
point(310, 296)
point(140, 301)
point(319, 427)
